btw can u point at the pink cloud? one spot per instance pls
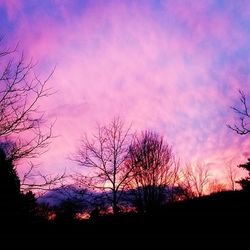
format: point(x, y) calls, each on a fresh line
point(12, 7)
point(161, 74)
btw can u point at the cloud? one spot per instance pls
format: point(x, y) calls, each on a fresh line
point(12, 8)
point(171, 66)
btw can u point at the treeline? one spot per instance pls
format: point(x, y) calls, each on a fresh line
point(141, 166)
point(129, 171)
point(119, 172)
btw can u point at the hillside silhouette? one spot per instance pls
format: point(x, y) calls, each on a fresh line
point(219, 218)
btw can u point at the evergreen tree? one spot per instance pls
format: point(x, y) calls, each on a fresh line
point(9, 182)
point(13, 203)
point(245, 182)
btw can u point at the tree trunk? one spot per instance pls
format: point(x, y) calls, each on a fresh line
point(115, 206)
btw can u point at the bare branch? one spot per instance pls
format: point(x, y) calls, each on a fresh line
point(152, 167)
point(38, 181)
point(195, 179)
point(243, 126)
point(23, 130)
point(232, 175)
point(20, 93)
point(105, 156)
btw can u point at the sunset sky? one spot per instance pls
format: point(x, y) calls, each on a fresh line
point(170, 66)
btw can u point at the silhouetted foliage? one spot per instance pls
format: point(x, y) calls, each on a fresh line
point(28, 207)
point(153, 169)
point(67, 210)
point(95, 213)
point(9, 181)
point(45, 211)
point(245, 182)
point(15, 205)
point(9, 189)
point(218, 219)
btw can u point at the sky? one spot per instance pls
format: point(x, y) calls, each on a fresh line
point(170, 66)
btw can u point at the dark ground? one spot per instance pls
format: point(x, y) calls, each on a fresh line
point(220, 220)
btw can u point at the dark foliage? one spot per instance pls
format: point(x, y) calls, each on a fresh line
point(15, 206)
point(9, 187)
point(245, 182)
point(219, 219)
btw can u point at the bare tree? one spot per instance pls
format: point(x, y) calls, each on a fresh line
point(215, 186)
point(21, 91)
point(243, 126)
point(153, 170)
point(24, 132)
point(105, 155)
point(231, 175)
point(195, 179)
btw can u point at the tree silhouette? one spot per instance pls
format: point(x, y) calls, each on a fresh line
point(20, 93)
point(243, 125)
point(23, 130)
point(243, 128)
point(195, 179)
point(9, 181)
point(152, 166)
point(105, 156)
point(67, 210)
point(231, 174)
point(245, 182)
point(15, 205)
